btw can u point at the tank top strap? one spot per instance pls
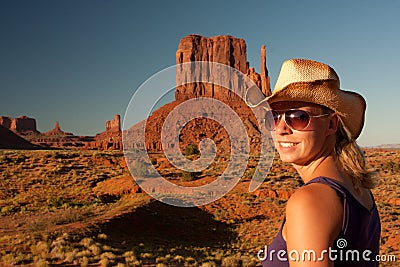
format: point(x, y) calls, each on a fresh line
point(328, 181)
point(343, 194)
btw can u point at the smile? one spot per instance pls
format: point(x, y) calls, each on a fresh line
point(287, 144)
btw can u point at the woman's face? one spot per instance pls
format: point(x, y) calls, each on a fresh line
point(301, 147)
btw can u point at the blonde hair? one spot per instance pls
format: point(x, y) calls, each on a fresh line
point(352, 160)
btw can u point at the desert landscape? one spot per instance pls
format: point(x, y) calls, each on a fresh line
point(69, 200)
point(82, 208)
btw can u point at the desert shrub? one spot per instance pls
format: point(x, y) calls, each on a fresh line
point(179, 259)
point(20, 158)
point(249, 262)
point(190, 261)
point(84, 261)
point(55, 201)
point(191, 149)
point(87, 242)
point(391, 167)
point(231, 261)
point(95, 249)
point(66, 155)
point(40, 249)
point(190, 176)
point(4, 159)
point(104, 262)
point(146, 255)
point(140, 169)
point(41, 263)
point(102, 236)
point(130, 257)
point(70, 256)
point(154, 161)
point(108, 255)
point(208, 264)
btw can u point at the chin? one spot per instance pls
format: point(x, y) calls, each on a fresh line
point(287, 158)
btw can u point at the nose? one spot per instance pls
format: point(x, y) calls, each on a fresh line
point(281, 127)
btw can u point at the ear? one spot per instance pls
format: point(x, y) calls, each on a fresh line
point(333, 124)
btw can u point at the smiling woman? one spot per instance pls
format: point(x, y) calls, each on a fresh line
point(316, 125)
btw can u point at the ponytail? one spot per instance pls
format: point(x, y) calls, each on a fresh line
point(352, 160)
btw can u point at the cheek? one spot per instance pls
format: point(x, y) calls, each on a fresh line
point(317, 139)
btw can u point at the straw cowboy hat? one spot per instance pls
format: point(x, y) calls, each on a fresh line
point(314, 82)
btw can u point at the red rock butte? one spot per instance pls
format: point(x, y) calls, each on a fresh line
point(20, 125)
point(226, 50)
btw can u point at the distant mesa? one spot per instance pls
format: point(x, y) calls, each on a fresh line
point(24, 133)
point(20, 125)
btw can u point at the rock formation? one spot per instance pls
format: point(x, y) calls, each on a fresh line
point(111, 138)
point(56, 131)
point(265, 80)
point(222, 49)
point(20, 125)
point(114, 125)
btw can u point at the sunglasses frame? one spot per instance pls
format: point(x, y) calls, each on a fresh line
point(283, 113)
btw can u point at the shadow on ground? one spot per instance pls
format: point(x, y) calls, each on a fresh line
point(158, 225)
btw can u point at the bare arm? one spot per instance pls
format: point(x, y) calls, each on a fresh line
point(314, 217)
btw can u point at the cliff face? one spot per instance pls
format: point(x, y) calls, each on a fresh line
point(227, 50)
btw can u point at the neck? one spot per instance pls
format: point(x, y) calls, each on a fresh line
point(322, 166)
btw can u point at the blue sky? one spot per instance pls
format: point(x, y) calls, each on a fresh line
point(79, 62)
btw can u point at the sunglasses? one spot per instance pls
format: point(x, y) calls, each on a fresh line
point(295, 119)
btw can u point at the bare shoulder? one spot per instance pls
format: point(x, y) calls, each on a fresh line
point(315, 207)
point(314, 196)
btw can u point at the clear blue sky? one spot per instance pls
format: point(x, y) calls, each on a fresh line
point(79, 62)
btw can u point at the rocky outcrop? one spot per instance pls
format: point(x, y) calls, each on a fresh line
point(265, 80)
point(56, 131)
point(227, 50)
point(114, 125)
point(20, 125)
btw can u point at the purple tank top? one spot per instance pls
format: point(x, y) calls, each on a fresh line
point(357, 243)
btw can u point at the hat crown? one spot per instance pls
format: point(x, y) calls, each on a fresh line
point(304, 70)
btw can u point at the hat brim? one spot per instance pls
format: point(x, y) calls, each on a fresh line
point(350, 106)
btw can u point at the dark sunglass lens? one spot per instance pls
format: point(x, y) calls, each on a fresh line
point(297, 119)
point(271, 118)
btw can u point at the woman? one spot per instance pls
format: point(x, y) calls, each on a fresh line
point(332, 220)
